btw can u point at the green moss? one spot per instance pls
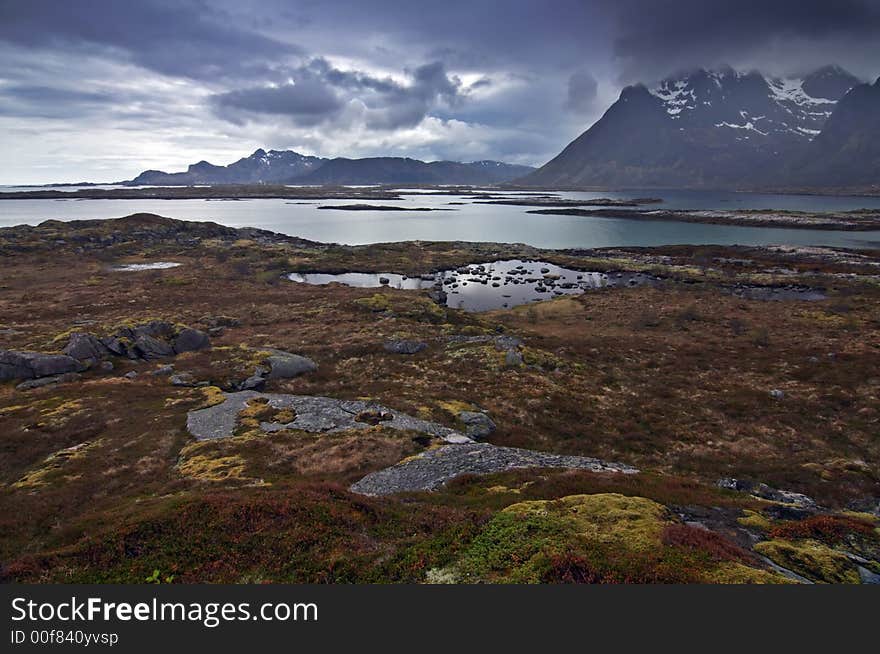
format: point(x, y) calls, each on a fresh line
point(206, 468)
point(455, 406)
point(605, 537)
point(376, 302)
point(731, 572)
point(513, 546)
point(810, 559)
point(541, 359)
point(42, 474)
point(213, 396)
point(173, 280)
point(61, 339)
point(754, 520)
point(518, 543)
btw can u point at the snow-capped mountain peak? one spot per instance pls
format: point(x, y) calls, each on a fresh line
point(752, 104)
point(717, 128)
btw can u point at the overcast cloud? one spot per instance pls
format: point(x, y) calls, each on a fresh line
point(102, 89)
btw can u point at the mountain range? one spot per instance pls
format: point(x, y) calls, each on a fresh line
point(728, 129)
point(701, 129)
point(288, 167)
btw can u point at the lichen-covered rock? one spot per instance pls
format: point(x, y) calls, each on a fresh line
point(312, 414)
point(432, 469)
point(33, 365)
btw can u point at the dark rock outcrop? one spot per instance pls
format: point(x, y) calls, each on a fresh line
point(156, 339)
point(86, 348)
point(190, 340)
point(33, 365)
point(48, 381)
point(149, 347)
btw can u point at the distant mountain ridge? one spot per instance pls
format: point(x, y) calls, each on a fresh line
point(395, 170)
point(724, 129)
point(274, 166)
point(288, 167)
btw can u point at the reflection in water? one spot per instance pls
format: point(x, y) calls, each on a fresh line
point(487, 286)
point(135, 267)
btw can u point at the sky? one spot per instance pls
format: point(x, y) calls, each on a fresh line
point(99, 90)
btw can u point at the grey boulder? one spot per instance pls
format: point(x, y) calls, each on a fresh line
point(478, 425)
point(513, 359)
point(405, 347)
point(33, 365)
point(154, 328)
point(48, 381)
point(284, 365)
point(150, 347)
point(190, 340)
point(85, 347)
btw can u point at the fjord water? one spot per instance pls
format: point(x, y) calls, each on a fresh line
point(467, 219)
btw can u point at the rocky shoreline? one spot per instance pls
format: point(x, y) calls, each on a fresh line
point(843, 221)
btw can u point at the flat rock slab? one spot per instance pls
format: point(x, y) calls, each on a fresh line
point(434, 468)
point(313, 414)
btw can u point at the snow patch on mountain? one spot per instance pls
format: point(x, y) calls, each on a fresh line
point(748, 126)
point(675, 95)
point(767, 106)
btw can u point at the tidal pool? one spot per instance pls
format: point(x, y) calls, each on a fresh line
point(135, 267)
point(488, 286)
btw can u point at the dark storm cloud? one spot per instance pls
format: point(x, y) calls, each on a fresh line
point(654, 39)
point(308, 102)
point(407, 105)
point(184, 38)
point(582, 91)
point(53, 102)
point(510, 80)
point(316, 91)
point(462, 33)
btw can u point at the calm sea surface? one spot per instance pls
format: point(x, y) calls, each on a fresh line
point(472, 221)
